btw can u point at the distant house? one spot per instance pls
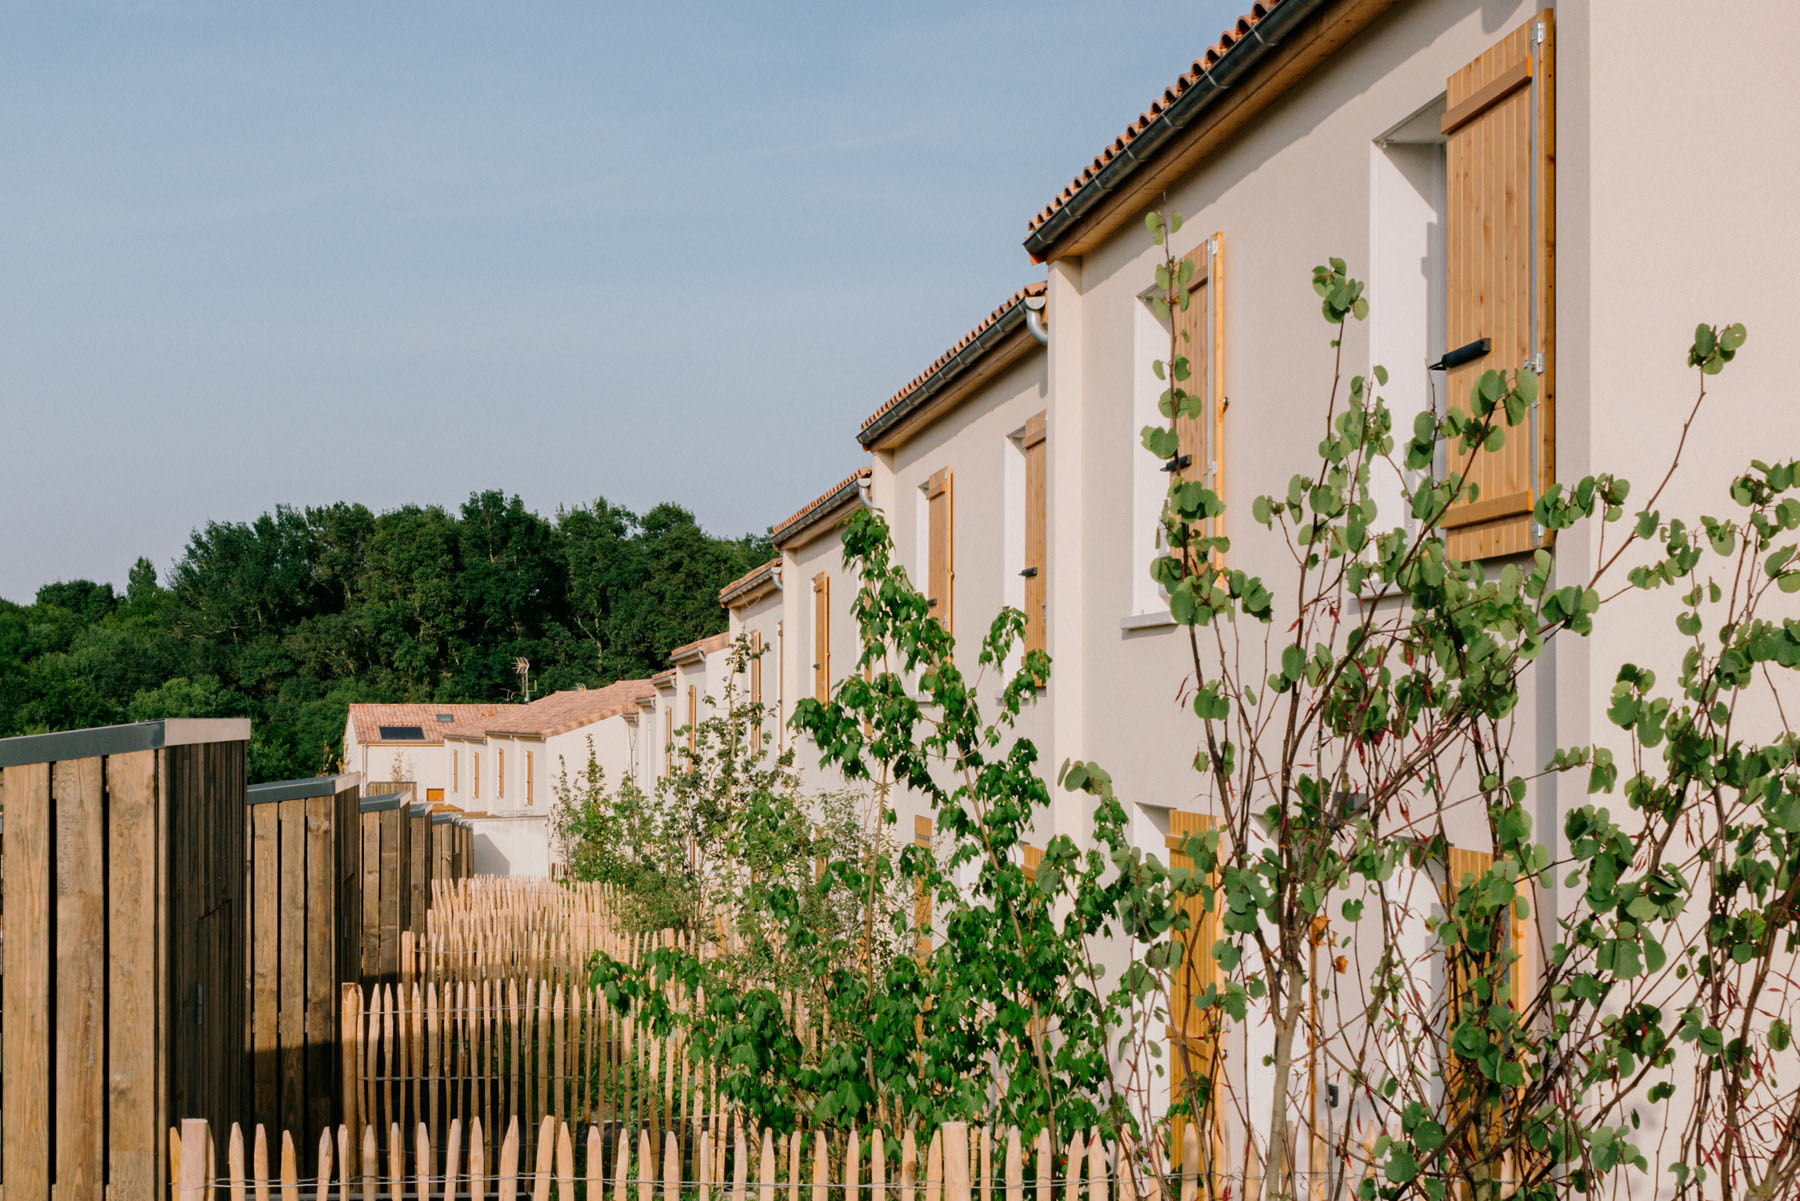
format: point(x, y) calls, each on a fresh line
point(407, 742)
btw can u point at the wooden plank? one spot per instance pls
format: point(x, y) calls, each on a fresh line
point(1508, 81)
point(321, 966)
point(78, 800)
point(265, 960)
point(25, 1049)
point(290, 1017)
point(134, 1133)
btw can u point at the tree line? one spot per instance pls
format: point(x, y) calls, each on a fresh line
point(291, 617)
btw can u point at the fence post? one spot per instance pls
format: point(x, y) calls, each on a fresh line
point(956, 1160)
point(196, 1160)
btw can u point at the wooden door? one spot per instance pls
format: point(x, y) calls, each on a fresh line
point(1193, 1033)
point(1499, 127)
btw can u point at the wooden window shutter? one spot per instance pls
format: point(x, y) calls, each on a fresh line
point(456, 771)
point(500, 772)
point(1200, 330)
point(1499, 126)
point(756, 646)
point(1030, 857)
point(1194, 1034)
point(668, 741)
point(530, 780)
point(1036, 517)
point(693, 722)
point(822, 637)
point(780, 684)
point(478, 775)
point(940, 573)
point(922, 915)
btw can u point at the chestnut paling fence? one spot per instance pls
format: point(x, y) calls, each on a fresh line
point(689, 1163)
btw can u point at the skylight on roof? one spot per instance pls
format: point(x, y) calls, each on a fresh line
point(402, 733)
point(445, 717)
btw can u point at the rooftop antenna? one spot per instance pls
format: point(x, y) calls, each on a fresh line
point(522, 665)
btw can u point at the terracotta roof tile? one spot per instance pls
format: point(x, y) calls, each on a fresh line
point(665, 676)
point(918, 381)
point(367, 720)
point(571, 709)
point(1193, 75)
point(799, 518)
point(749, 580)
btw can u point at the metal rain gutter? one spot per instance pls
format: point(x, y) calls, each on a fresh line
point(944, 376)
point(1243, 56)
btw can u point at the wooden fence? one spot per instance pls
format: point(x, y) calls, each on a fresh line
point(303, 881)
point(122, 973)
point(576, 1163)
point(387, 892)
point(452, 847)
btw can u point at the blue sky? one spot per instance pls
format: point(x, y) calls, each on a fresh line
point(255, 254)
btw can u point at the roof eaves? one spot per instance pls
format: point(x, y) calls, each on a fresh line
point(1253, 40)
point(846, 493)
point(751, 583)
point(951, 366)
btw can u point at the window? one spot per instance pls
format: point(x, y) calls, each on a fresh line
point(1034, 570)
point(1029, 859)
point(822, 637)
point(1193, 1033)
point(1407, 271)
point(530, 782)
point(1499, 127)
point(940, 535)
point(693, 722)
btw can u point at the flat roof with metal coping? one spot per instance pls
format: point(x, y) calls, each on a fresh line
point(120, 740)
point(383, 802)
point(296, 790)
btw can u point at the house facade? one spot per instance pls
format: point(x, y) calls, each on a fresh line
point(410, 743)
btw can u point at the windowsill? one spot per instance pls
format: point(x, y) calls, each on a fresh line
point(1155, 619)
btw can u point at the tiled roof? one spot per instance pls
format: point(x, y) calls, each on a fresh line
point(750, 579)
point(806, 512)
point(367, 720)
point(1028, 292)
point(1193, 75)
point(571, 709)
point(665, 676)
point(716, 642)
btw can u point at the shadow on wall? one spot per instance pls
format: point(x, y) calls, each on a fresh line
point(511, 846)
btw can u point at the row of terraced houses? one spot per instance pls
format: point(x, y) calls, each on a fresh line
point(1569, 188)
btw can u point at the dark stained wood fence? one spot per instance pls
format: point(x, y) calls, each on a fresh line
point(386, 884)
point(303, 884)
point(122, 960)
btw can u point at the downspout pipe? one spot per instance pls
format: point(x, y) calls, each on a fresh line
point(1243, 56)
point(1034, 319)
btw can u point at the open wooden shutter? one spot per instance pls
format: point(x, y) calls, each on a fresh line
point(756, 646)
point(1193, 1033)
point(822, 637)
point(500, 772)
point(1199, 332)
point(1499, 126)
point(922, 915)
point(668, 741)
point(940, 583)
point(1036, 513)
point(693, 722)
